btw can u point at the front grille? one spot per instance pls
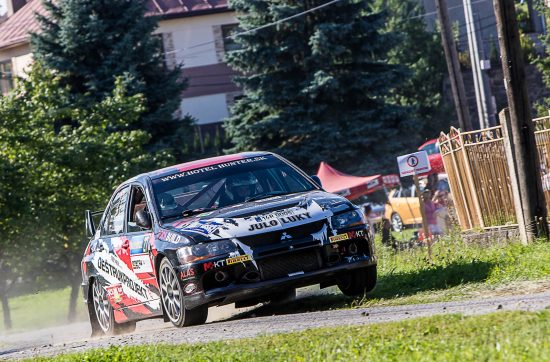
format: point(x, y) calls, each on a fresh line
point(274, 237)
point(281, 266)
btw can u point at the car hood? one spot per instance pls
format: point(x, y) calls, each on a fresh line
point(272, 214)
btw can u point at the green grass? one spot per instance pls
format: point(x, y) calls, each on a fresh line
point(42, 309)
point(505, 336)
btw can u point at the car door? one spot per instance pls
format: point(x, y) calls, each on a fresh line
point(139, 250)
point(114, 264)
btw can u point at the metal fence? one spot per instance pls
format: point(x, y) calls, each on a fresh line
point(479, 178)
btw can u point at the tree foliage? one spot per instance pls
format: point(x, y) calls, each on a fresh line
point(66, 154)
point(420, 51)
point(91, 43)
point(317, 86)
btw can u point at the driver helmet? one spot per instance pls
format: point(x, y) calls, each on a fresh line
point(241, 186)
point(167, 202)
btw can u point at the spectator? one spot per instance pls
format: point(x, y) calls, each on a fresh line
point(430, 209)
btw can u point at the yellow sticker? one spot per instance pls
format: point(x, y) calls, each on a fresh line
point(238, 259)
point(336, 238)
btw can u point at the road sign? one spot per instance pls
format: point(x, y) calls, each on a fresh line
point(413, 164)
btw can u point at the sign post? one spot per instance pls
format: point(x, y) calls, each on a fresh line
point(412, 165)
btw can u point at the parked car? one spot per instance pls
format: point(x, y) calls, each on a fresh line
point(434, 155)
point(241, 229)
point(403, 208)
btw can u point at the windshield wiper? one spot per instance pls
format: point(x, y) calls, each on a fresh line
point(269, 194)
point(192, 212)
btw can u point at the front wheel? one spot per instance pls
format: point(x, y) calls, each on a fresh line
point(103, 321)
point(358, 282)
point(396, 222)
point(173, 300)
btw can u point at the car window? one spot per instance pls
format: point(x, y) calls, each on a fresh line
point(406, 192)
point(226, 184)
point(114, 220)
point(138, 201)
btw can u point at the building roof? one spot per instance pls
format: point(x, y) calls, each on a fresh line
point(15, 30)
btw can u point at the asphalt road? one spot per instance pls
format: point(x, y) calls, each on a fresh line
point(74, 337)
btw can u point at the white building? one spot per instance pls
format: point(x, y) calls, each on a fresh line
point(192, 33)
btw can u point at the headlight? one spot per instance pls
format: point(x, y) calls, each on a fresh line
point(348, 219)
point(204, 251)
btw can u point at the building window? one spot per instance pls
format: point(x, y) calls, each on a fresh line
point(6, 77)
point(229, 44)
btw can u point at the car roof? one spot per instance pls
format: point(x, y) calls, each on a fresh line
point(429, 142)
point(205, 162)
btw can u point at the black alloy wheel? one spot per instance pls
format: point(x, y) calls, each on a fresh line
point(104, 315)
point(173, 302)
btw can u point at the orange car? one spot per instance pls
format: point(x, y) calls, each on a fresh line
point(403, 208)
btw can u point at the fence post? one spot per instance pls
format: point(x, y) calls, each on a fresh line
point(459, 179)
point(504, 117)
point(470, 182)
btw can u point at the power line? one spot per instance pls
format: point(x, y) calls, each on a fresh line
point(233, 36)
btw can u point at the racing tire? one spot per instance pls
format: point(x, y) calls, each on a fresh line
point(358, 282)
point(283, 297)
point(173, 300)
point(102, 318)
point(396, 222)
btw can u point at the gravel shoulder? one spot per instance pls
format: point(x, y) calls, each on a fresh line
point(74, 338)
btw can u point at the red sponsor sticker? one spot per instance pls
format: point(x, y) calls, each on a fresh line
point(187, 273)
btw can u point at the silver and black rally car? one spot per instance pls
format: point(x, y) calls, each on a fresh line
point(243, 228)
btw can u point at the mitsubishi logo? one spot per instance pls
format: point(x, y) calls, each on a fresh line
point(285, 236)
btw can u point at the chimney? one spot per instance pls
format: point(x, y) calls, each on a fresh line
point(14, 6)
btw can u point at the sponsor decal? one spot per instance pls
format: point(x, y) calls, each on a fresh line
point(339, 237)
point(263, 225)
point(238, 259)
point(212, 168)
point(136, 246)
point(187, 273)
point(346, 236)
point(170, 237)
point(213, 264)
point(115, 293)
point(142, 264)
point(119, 275)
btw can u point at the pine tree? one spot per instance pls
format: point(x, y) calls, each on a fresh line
point(90, 43)
point(316, 87)
point(420, 50)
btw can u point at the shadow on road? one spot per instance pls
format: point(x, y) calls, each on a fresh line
point(389, 286)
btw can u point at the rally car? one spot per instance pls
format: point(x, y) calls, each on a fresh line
point(243, 228)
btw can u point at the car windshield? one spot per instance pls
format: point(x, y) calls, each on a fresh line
point(225, 184)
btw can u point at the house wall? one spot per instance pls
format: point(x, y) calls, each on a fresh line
point(196, 44)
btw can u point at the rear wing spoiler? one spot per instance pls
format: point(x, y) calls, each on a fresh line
point(90, 225)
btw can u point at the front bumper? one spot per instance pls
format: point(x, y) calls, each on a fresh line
point(239, 292)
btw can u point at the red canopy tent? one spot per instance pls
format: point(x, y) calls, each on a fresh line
point(350, 186)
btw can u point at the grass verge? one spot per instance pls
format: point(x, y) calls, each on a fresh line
point(42, 309)
point(509, 336)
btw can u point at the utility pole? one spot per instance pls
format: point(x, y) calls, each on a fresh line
point(522, 133)
point(453, 66)
point(479, 79)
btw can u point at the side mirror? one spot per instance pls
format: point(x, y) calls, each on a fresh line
point(317, 180)
point(90, 227)
point(143, 219)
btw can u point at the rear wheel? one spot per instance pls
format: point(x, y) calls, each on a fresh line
point(396, 222)
point(173, 302)
point(104, 315)
point(358, 282)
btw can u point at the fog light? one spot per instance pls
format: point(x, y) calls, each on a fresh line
point(190, 288)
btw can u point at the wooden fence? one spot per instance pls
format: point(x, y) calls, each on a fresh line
point(476, 163)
